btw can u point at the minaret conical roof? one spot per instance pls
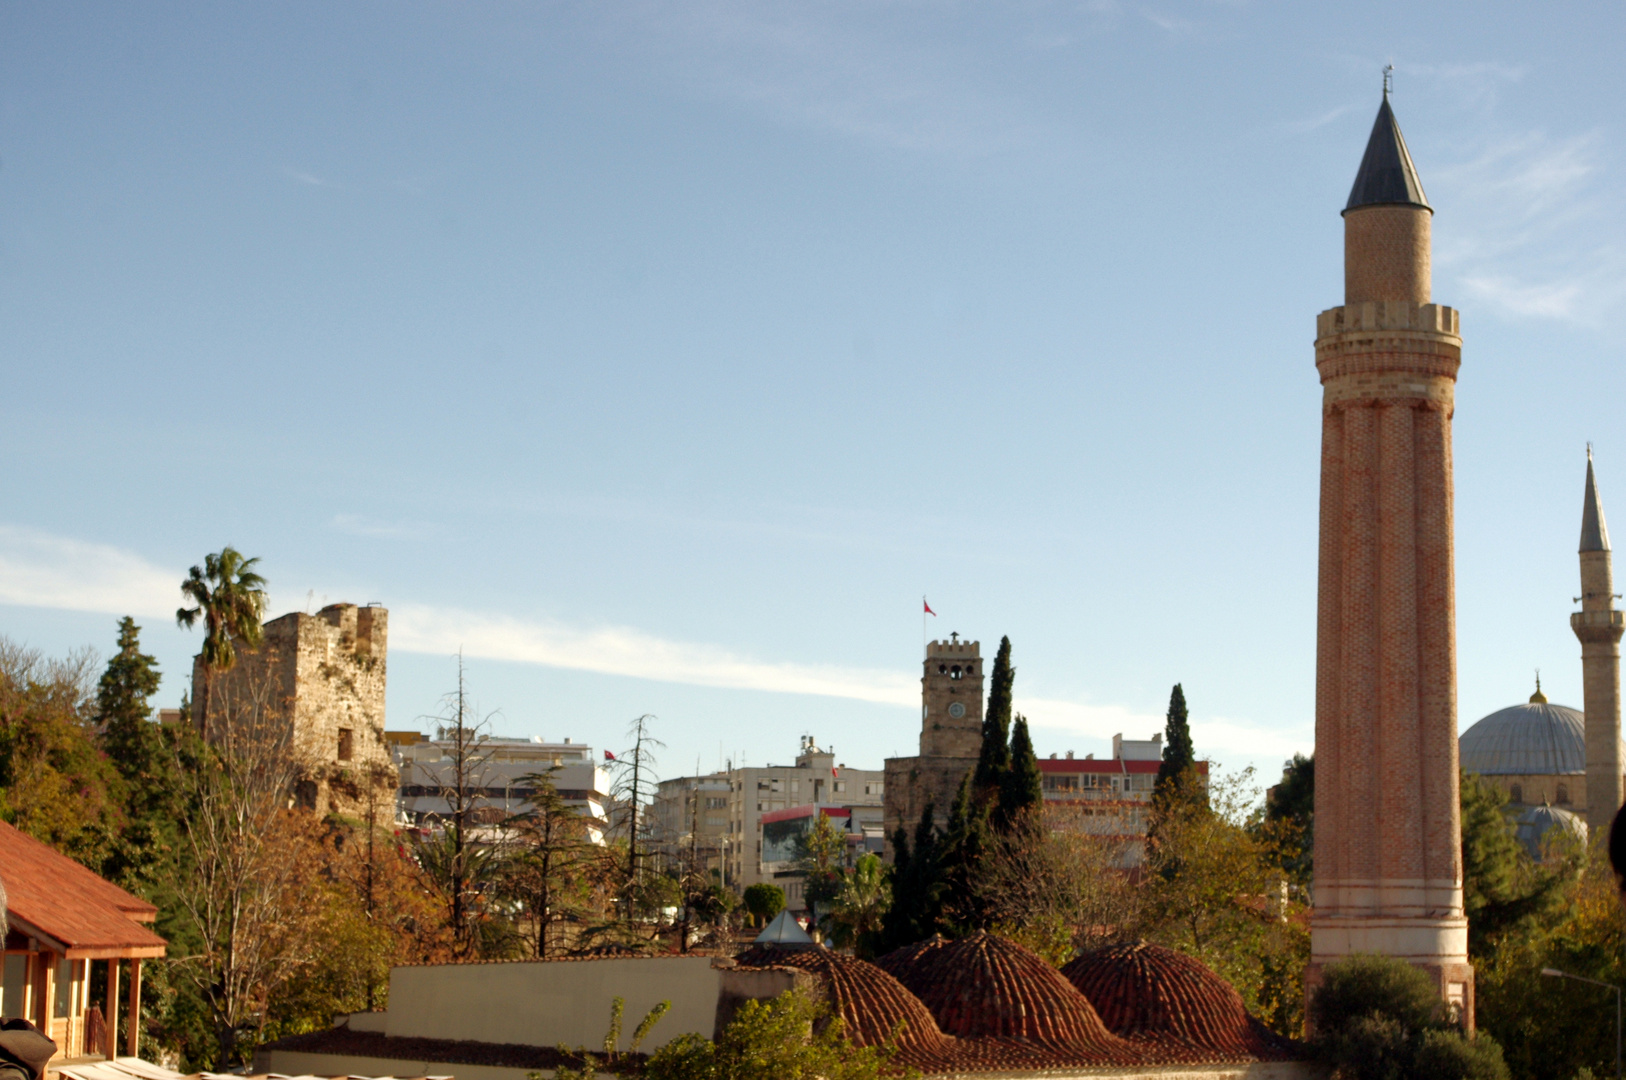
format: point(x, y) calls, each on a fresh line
point(1594, 531)
point(1387, 176)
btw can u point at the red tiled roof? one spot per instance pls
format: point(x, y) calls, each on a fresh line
point(1151, 994)
point(985, 986)
point(63, 900)
point(875, 1008)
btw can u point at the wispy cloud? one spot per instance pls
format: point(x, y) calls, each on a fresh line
point(620, 650)
point(1533, 233)
point(38, 569)
point(301, 177)
point(1304, 127)
point(358, 525)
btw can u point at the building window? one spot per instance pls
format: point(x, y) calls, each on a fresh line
point(1563, 795)
point(841, 785)
point(1518, 793)
point(347, 744)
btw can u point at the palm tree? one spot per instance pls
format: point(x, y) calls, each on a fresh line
point(857, 910)
point(229, 596)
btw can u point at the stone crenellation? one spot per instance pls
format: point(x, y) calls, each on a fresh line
point(951, 693)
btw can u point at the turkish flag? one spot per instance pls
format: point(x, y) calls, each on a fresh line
point(608, 756)
point(927, 606)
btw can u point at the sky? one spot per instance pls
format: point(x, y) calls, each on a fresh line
point(662, 357)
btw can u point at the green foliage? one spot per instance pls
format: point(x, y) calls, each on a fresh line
point(1503, 888)
point(1290, 810)
point(764, 901)
point(820, 853)
point(1552, 1028)
point(961, 856)
point(228, 594)
point(995, 756)
point(545, 869)
point(1179, 756)
point(1379, 1018)
point(789, 1038)
point(857, 911)
point(1021, 789)
point(613, 1057)
point(917, 886)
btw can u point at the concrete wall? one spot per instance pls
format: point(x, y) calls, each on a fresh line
point(548, 1002)
point(296, 1063)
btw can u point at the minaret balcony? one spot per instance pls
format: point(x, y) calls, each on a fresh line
point(1602, 626)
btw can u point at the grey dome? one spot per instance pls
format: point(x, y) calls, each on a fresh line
point(1531, 824)
point(1532, 739)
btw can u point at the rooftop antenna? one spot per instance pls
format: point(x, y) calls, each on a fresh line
point(1388, 78)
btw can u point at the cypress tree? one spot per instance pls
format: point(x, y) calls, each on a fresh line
point(963, 846)
point(121, 700)
point(917, 889)
point(995, 757)
point(1178, 755)
point(1021, 792)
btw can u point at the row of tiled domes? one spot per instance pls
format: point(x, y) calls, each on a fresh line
point(983, 1002)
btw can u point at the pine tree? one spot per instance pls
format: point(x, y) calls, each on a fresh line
point(1179, 758)
point(121, 699)
point(995, 757)
point(1021, 791)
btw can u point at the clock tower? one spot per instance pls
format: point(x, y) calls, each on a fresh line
point(951, 688)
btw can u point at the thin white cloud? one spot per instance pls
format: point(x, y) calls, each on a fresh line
point(38, 569)
point(308, 179)
point(358, 525)
point(1304, 127)
point(619, 650)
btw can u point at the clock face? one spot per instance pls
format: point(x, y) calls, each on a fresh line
point(957, 710)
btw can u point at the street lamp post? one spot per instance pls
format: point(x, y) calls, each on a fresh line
point(1554, 973)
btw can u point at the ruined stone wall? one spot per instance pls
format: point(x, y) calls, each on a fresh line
point(323, 677)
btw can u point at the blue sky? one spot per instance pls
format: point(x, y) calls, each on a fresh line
point(662, 356)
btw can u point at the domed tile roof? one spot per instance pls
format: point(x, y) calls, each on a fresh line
point(1536, 738)
point(1151, 994)
point(874, 1007)
point(1533, 823)
point(985, 986)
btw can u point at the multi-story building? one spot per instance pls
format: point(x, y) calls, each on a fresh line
point(496, 777)
point(779, 831)
point(1107, 797)
point(732, 802)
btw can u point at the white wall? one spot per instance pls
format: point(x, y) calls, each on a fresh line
point(548, 1002)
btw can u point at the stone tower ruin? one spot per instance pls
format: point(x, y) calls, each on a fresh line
point(951, 692)
point(315, 689)
point(1388, 867)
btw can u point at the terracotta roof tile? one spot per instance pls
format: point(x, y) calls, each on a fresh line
point(1154, 995)
point(63, 899)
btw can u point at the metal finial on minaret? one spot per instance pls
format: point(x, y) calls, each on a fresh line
point(1388, 78)
point(1538, 698)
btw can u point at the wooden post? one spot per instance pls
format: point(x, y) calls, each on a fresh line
point(47, 1009)
point(132, 1037)
point(110, 1036)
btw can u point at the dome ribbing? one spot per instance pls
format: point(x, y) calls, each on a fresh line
point(1147, 993)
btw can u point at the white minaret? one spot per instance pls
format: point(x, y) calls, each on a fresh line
point(1599, 627)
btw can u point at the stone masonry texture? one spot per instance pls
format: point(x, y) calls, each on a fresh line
point(951, 683)
point(319, 681)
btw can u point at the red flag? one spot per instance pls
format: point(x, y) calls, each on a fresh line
point(834, 773)
point(608, 756)
point(927, 606)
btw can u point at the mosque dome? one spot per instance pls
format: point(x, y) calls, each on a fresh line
point(983, 986)
point(1150, 994)
point(1533, 739)
point(874, 1006)
point(1533, 823)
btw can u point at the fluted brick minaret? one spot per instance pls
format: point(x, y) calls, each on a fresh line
point(1599, 627)
point(1388, 864)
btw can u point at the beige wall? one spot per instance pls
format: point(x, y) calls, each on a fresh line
point(548, 1002)
point(295, 1063)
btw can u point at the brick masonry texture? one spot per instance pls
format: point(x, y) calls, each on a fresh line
point(1388, 874)
point(1598, 626)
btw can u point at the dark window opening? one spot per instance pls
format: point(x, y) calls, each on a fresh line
point(347, 744)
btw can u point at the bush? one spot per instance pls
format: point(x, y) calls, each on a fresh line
point(773, 1040)
point(1378, 1018)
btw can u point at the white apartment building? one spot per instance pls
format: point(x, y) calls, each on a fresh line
point(495, 777)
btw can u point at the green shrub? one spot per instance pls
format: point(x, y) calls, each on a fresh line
point(764, 901)
point(1379, 1018)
